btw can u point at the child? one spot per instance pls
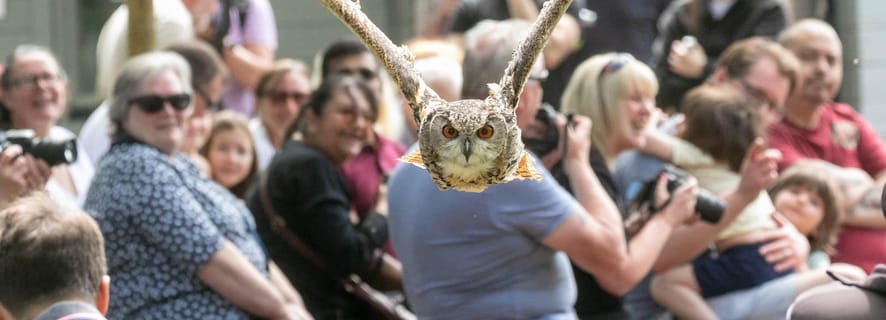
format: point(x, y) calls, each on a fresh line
point(722, 123)
point(230, 151)
point(811, 203)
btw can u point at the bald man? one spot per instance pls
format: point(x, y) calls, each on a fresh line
point(816, 127)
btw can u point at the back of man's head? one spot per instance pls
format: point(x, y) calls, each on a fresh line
point(47, 255)
point(488, 49)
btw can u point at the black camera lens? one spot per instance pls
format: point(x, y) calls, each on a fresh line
point(708, 206)
point(55, 152)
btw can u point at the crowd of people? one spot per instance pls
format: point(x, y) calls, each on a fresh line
point(701, 168)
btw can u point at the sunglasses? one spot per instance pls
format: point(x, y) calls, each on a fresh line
point(364, 73)
point(617, 62)
point(155, 103)
point(280, 97)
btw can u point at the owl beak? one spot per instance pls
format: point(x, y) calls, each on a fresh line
point(467, 150)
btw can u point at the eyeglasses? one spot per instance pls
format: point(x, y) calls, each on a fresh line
point(155, 103)
point(757, 94)
point(364, 73)
point(212, 106)
point(280, 97)
point(31, 81)
point(618, 61)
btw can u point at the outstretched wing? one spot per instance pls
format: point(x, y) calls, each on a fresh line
point(397, 60)
point(525, 54)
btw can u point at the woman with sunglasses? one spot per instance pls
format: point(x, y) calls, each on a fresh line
point(178, 244)
point(305, 187)
point(34, 95)
point(280, 94)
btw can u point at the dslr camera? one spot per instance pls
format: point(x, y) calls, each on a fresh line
point(53, 152)
point(543, 136)
point(708, 206)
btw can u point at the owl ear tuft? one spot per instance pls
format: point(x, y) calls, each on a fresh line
point(526, 169)
point(414, 157)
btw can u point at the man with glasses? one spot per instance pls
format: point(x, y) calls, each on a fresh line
point(816, 127)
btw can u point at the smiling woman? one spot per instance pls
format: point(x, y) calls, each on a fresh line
point(34, 95)
point(305, 185)
point(172, 232)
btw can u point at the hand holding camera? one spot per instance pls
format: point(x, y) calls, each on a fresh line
point(675, 186)
point(20, 173)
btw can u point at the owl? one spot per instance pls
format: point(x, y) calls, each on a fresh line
point(465, 145)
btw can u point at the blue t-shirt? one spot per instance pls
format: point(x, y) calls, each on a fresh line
point(480, 255)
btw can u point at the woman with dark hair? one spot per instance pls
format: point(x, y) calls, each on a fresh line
point(304, 184)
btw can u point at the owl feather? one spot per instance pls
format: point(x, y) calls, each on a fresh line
point(465, 145)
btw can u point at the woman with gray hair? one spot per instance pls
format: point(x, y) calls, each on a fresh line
point(178, 244)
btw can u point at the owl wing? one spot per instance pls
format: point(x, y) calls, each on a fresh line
point(524, 56)
point(397, 60)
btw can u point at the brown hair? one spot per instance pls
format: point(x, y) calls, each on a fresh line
point(825, 236)
point(281, 67)
point(47, 254)
point(722, 122)
point(739, 57)
point(225, 121)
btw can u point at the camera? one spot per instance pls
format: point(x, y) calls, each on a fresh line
point(542, 136)
point(53, 152)
point(708, 206)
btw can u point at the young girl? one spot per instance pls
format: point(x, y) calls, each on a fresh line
point(722, 123)
point(811, 203)
point(230, 151)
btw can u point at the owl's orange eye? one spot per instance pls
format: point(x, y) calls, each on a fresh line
point(485, 132)
point(449, 132)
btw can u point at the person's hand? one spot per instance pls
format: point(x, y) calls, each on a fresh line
point(577, 140)
point(759, 169)
point(687, 61)
point(21, 173)
point(785, 247)
point(681, 208)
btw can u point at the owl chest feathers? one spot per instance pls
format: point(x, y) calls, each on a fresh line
point(469, 145)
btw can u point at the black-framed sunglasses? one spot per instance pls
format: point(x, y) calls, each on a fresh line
point(154, 103)
point(280, 97)
point(212, 106)
point(365, 73)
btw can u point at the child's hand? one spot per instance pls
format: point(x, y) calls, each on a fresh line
point(759, 169)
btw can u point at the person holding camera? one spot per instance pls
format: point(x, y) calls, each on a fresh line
point(34, 95)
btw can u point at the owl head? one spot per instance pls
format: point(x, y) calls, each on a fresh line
point(470, 140)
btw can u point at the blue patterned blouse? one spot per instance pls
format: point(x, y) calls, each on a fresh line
point(162, 220)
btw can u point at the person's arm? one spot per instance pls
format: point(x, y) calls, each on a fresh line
point(757, 173)
point(563, 40)
point(279, 280)
point(247, 62)
point(439, 20)
point(593, 234)
point(230, 274)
